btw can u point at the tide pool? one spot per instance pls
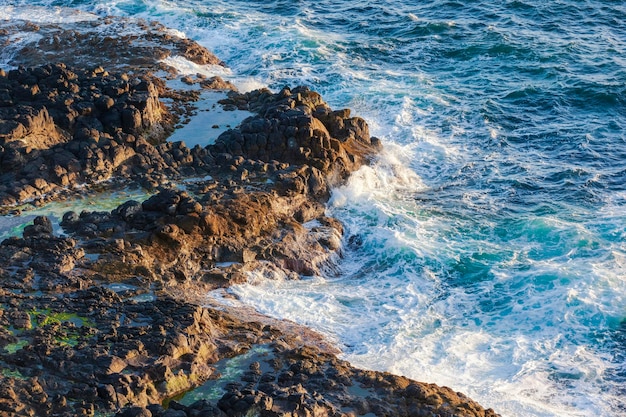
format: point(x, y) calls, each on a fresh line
point(486, 248)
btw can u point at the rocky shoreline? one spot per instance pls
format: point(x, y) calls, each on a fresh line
point(108, 318)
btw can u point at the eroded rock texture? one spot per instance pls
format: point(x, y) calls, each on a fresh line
point(107, 318)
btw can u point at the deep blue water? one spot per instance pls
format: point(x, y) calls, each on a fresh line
point(486, 249)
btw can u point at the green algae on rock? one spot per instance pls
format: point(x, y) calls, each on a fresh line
point(84, 343)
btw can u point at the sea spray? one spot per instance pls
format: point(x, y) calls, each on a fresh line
point(497, 264)
point(463, 312)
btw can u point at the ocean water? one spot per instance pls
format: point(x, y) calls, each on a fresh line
point(14, 224)
point(486, 248)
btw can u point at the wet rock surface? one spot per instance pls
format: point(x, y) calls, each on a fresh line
point(66, 121)
point(79, 127)
point(108, 317)
point(124, 44)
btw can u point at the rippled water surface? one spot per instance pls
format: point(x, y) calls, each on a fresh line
point(486, 249)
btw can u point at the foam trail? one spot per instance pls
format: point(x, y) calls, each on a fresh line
point(17, 42)
point(186, 67)
point(40, 14)
point(522, 327)
point(485, 250)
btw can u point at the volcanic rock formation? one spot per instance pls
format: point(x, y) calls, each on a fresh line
point(108, 317)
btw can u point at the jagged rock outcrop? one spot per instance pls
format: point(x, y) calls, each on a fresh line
point(107, 319)
point(65, 120)
point(298, 127)
point(124, 44)
point(86, 126)
point(96, 349)
point(78, 126)
point(278, 219)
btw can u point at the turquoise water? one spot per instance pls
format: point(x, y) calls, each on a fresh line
point(486, 249)
point(14, 225)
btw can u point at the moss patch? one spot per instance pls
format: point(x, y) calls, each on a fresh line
point(7, 373)
point(46, 317)
point(14, 347)
point(177, 384)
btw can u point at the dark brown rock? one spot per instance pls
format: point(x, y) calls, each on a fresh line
point(72, 127)
point(42, 226)
point(109, 317)
point(288, 130)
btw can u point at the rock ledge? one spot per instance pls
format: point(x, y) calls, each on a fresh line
point(108, 318)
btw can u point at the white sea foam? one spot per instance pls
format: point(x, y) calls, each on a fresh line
point(315, 35)
point(187, 67)
point(409, 329)
point(245, 84)
point(17, 41)
point(390, 174)
point(516, 343)
point(176, 33)
point(438, 283)
point(40, 14)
